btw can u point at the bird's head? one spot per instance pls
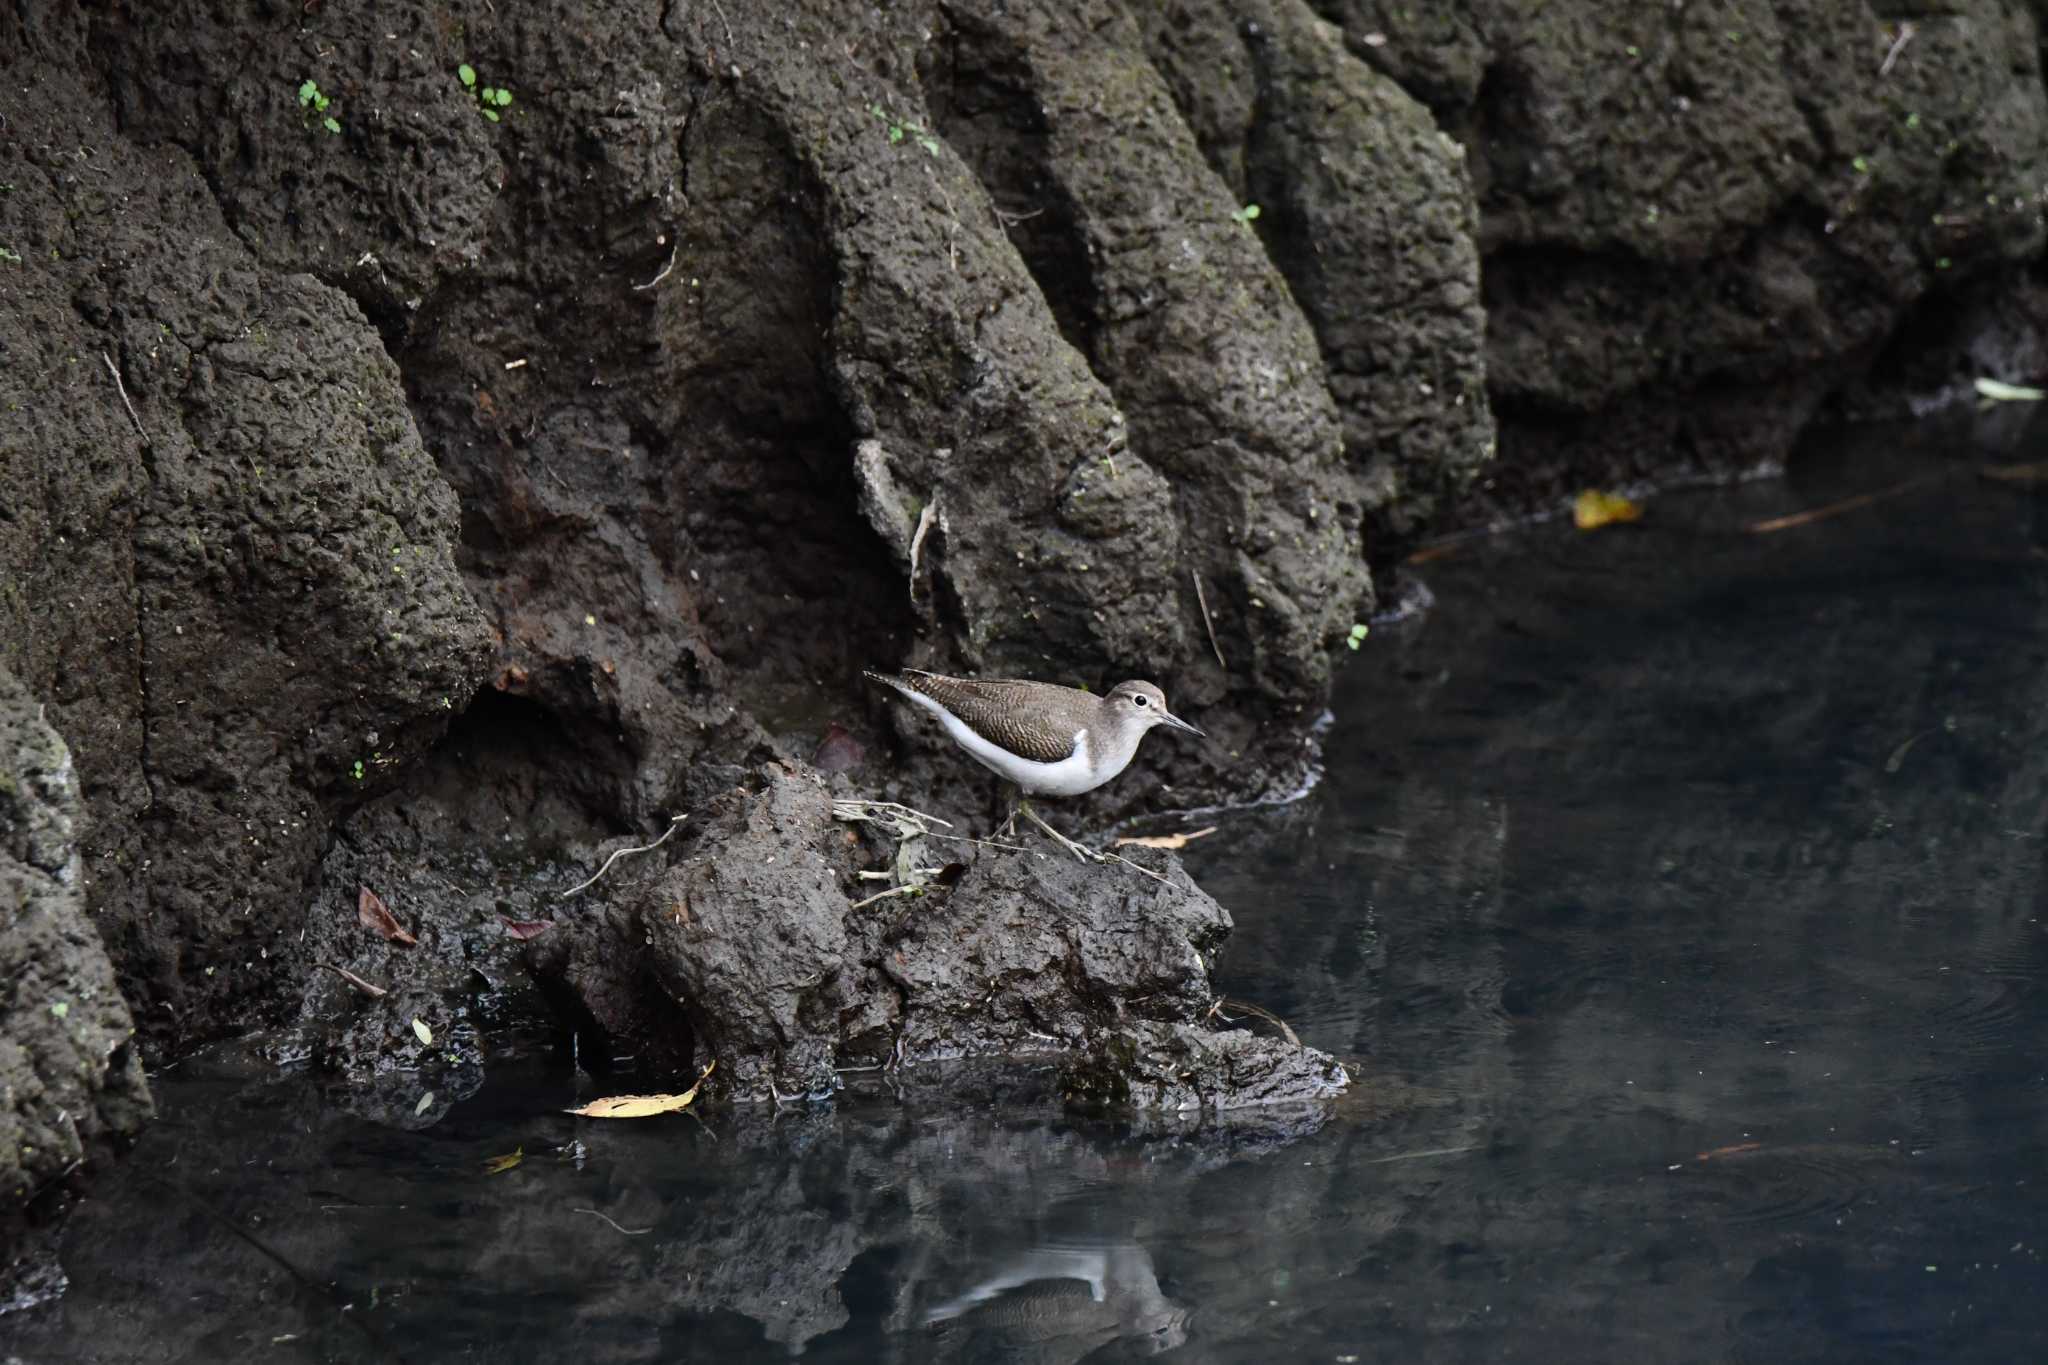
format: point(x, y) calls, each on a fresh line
point(1145, 704)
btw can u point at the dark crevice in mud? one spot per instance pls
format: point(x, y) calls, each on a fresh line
point(982, 103)
point(513, 778)
point(1991, 328)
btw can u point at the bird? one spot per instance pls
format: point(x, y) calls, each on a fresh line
point(1045, 739)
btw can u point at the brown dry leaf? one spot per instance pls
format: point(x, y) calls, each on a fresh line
point(641, 1106)
point(1735, 1149)
point(838, 751)
point(374, 915)
point(1166, 840)
point(1593, 509)
point(523, 929)
point(498, 1164)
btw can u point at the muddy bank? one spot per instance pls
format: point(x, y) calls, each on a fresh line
point(72, 1095)
point(1702, 225)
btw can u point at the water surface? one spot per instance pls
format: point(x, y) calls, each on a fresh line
point(1675, 893)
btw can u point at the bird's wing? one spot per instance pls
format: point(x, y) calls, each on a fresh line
point(1032, 720)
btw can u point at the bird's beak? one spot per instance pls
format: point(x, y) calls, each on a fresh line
point(1168, 718)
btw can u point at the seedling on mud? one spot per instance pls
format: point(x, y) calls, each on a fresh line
point(315, 103)
point(489, 98)
point(1246, 215)
point(901, 128)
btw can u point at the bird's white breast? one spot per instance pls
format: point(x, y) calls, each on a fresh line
point(1070, 776)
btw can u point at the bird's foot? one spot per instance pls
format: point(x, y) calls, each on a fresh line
point(1081, 851)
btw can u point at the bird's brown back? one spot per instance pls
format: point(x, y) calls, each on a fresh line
point(1033, 720)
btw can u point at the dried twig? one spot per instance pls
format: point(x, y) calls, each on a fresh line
point(978, 843)
point(924, 526)
point(1417, 1156)
point(1135, 867)
point(723, 20)
point(672, 251)
point(122, 389)
point(1906, 31)
point(617, 854)
point(1786, 523)
point(374, 992)
point(630, 1232)
point(1203, 598)
point(856, 811)
point(884, 895)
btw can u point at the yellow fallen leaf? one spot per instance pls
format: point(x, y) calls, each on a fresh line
point(422, 1032)
point(641, 1106)
point(1593, 509)
point(498, 1164)
point(1165, 840)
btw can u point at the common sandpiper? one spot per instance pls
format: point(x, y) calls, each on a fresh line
point(1045, 739)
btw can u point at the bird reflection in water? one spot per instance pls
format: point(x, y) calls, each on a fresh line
point(1055, 1304)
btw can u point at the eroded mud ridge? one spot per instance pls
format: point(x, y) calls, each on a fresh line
point(445, 443)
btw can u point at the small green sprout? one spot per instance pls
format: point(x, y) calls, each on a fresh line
point(313, 102)
point(1357, 635)
point(490, 98)
point(1862, 165)
point(1248, 214)
point(899, 129)
point(60, 1008)
point(11, 257)
point(357, 770)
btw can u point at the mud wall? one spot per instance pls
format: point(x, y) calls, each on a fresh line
point(612, 382)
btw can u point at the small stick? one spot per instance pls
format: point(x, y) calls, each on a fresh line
point(122, 389)
point(924, 524)
point(673, 825)
point(1417, 1156)
point(374, 992)
point(1786, 523)
point(1906, 32)
point(1135, 867)
point(853, 808)
point(630, 1232)
point(1203, 598)
point(678, 246)
point(884, 895)
point(723, 20)
point(979, 843)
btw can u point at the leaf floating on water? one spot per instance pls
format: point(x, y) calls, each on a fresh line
point(374, 915)
point(1998, 391)
point(422, 1032)
point(498, 1165)
point(1165, 840)
point(1735, 1149)
point(641, 1106)
point(2030, 475)
point(426, 1103)
point(1593, 509)
point(524, 929)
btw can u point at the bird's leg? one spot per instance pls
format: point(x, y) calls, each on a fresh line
point(1008, 829)
point(1081, 851)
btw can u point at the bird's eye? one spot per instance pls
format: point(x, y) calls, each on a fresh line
point(1140, 700)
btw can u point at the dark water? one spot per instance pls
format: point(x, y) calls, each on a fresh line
point(1676, 892)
